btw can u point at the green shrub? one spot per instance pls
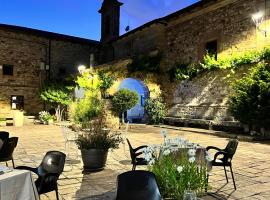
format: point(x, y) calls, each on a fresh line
point(87, 109)
point(124, 100)
point(105, 83)
point(250, 101)
point(155, 109)
point(231, 62)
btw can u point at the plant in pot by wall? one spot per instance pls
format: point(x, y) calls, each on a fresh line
point(45, 117)
point(89, 113)
point(123, 100)
point(95, 142)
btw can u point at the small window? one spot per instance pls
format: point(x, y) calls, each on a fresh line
point(17, 102)
point(8, 70)
point(212, 48)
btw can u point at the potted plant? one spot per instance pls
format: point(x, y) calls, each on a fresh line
point(45, 117)
point(95, 142)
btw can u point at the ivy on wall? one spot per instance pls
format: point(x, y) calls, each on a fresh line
point(231, 62)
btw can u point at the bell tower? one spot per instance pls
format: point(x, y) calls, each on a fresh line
point(110, 19)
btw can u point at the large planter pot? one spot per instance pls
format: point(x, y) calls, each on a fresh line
point(94, 159)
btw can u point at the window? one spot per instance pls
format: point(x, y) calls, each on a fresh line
point(8, 70)
point(212, 48)
point(17, 102)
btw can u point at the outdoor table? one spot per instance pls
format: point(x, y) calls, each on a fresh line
point(17, 185)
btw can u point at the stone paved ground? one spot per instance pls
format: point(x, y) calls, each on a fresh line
point(251, 163)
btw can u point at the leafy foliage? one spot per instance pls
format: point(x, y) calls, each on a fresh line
point(172, 183)
point(58, 96)
point(106, 82)
point(145, 64)
point(155, 109)
point(250, 102)
point(124, 100)
point(97, 137)
point(231, 62)
point(87, 109)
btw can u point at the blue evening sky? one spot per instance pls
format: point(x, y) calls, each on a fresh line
point(80, 17)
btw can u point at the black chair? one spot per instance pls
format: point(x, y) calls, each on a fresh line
point(223, 157)
point(137, 185)
point(6, 152)
point(48, 172)
point(134, 153)
point(4, 135)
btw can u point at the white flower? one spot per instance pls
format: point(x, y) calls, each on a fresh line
point(151, 162)
point(148, 157)
point(208, 158)
point(166, 152)
point(192, 152)
point(191, 159)
point(164, 133)
point(179, 169)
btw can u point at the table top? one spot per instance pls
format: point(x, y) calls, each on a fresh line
point(17, 185)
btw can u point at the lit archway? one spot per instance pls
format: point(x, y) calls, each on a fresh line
point(137, 113)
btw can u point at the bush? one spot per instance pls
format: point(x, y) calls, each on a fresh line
point(250, 101)
point(155, 109)
point(105, 83)
point(98, 138)
point(87, 109)
point(124, 100)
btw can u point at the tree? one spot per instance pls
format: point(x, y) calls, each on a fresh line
point(58, 96)
point(106, 82)
point(123, 100)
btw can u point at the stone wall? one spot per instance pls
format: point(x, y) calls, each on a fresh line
point(29, 53)
point(142, 42)
point(228, 22)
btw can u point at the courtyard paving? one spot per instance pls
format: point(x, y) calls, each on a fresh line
point(251, 163)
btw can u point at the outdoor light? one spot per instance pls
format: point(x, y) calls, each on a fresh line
point(258, 19)
point(81, 69)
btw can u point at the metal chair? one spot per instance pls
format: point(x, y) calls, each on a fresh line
point(226, 157)
point(134, 153)
point(137, 185)
point(4, 135)
point(6, 152)
point(70, 138)
point(48, 172)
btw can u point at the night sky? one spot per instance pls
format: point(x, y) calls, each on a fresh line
point(80, 17)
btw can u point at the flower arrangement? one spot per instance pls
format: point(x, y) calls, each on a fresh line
point(179, 165)
point(45, 116)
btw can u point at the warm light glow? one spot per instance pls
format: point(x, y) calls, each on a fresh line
point(81, 69)
point(258, 18)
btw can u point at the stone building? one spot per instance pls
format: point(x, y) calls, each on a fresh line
point(28, 57)
point(220, 26)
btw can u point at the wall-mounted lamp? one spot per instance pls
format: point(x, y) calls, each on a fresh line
point(258, 19)
point(81, 69)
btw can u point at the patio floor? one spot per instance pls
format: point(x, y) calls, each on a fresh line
point(251, 163)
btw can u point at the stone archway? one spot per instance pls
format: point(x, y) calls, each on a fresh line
point(137, 113)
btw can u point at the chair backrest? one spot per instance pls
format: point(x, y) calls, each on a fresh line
point(8, 147)
point(132, 152)
point(134, 185)
point(53, 162)
point(231, 148)
point(4, 135)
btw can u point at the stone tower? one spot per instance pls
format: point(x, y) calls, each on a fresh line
point(110, 19)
